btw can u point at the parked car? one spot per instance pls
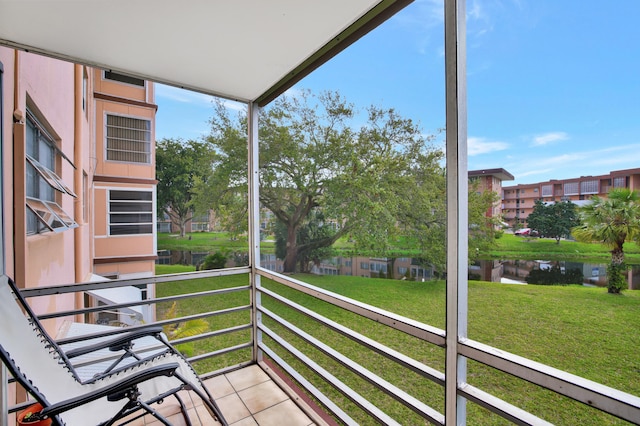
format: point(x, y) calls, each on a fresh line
point(527, 231)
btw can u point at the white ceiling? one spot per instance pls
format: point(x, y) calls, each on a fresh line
point(248, 50)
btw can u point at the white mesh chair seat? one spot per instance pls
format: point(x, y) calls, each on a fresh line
point(38, 363)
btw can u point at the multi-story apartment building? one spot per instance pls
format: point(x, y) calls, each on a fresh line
point(197, 223)
point(124, 178)
point(490, 180)
point(78, 175)
point(518, 200)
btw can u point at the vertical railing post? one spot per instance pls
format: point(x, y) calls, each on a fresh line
point(4, 418)
point(457, 206)
point(254, 224)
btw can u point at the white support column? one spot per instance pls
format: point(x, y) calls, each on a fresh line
point(4, 418)
point(254, 223)
point(457, 206)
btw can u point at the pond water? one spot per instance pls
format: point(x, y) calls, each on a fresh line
point(517, 271)
point(508, 271)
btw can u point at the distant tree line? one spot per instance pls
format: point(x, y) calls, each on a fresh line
point(611, 221)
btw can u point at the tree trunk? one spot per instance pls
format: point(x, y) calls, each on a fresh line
point(291, 257)
point(617, 256)
point(616, 272)
point(391, 268)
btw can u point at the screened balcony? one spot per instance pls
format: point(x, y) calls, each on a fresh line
point(269, 357)
point(270, 325)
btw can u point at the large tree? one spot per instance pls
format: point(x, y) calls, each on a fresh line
point(375, 176)
point(554, 220)
point(313, 158)
point(179, 165)
point(315, 228)
point(612, 221)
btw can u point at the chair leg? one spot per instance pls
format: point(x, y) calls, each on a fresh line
point(134, 404)
point(213, 408)
point(130, 406)
point(208, 401)
point(154, 413)
point(183, 409)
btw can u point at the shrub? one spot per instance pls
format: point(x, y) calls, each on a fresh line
point(215, 260)
point(555, 276)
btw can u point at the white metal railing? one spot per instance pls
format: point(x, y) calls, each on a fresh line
point(609, 400)
point(604, 398)
point(86, 287)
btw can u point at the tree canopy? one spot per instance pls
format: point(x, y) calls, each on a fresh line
point(554, 220)
point(374, 178)
point(179, 165)
point(612, 221)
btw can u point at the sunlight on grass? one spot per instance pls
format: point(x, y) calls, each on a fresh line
point(582, 330)
point(516, 247)
point(210, 304)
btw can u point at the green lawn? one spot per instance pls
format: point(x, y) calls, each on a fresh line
point(221, 241)
point(209, 304)
point(581, 330)
point(204, 241)
point(510, 246)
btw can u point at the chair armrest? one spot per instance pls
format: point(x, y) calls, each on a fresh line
point(115, 389)
point(117, 343)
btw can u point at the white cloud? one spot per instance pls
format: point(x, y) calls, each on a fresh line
point(425, 13)
point(623, 156)
point(585, 163)
point(181, 95)
point(423, 22)
point(477, 146)
point(566, 159)
point(475, 11)
point(534, 172)
point(548, 138)
point(294, 93)
point(234, 105)
point(194, 98)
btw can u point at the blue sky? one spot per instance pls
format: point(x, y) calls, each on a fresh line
point(553, 86)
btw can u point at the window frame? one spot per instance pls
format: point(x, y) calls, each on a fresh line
point(125, 79)
point(568, 188)
point(590, 186)
point(50, 177)
point(49, 215)
point(49, 212)
point(620, 182)
point(110, 224)
point(149, 143)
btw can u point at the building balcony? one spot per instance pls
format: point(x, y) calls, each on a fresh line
point(268, 355)
point(263, 321)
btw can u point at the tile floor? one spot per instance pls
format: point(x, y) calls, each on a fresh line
point(245, 397)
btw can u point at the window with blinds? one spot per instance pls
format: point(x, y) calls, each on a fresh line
point(547, 190)
point(130, 212)
point(128, 139)
point(589, 187)
point(110, 75)
point(571, 188)
point(620, 182)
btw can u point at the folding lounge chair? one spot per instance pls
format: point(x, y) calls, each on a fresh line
point(44, 370)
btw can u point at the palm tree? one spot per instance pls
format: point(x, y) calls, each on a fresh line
point(612, 221)
point(183, 329)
